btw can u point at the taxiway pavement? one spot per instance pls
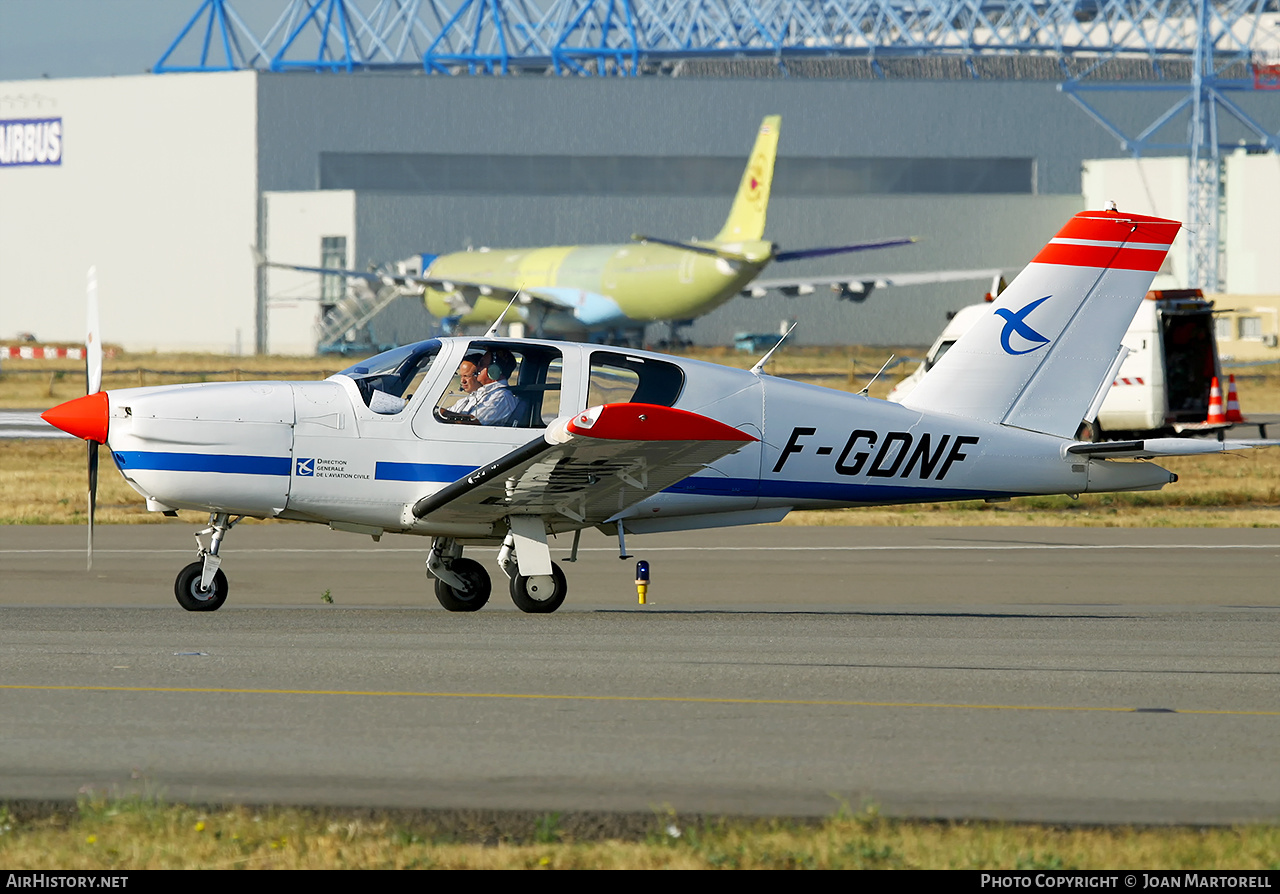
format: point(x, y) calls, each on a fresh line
point(1072, 674)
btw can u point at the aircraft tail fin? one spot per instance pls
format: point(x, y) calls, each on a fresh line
point(1039, 355)
point(746, 218)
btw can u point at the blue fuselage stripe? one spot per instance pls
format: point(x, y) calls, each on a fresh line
point(388, 471)
point(699, 485)
point(202, 462)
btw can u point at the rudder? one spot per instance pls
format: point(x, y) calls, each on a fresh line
point(1038, 357)
point(750, 205)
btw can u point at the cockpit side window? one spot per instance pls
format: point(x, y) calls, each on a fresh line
point(387, 381)
point(503, 384)
point(622, 378)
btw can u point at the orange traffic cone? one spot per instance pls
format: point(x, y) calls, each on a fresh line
point(1215, 404)
point(1233, 402)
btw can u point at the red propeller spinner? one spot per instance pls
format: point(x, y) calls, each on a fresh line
point(85, 417)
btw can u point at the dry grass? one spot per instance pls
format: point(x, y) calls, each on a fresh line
point(40, 384)
point(128, 835)
point(42, 482)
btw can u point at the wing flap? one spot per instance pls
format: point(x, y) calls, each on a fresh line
point(586, 469)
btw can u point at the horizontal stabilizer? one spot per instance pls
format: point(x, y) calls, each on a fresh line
point(1154, 447)
point(800, 254)
point(695, 247)
point(717, 251)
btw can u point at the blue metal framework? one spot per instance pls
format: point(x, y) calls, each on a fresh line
point(1221, 58)
point(315, 35)
point(628, 37)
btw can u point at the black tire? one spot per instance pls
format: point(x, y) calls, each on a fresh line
point(187, 588)
point(476, 595)
point(539, 595)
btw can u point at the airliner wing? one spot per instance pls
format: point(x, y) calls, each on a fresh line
point(462, 295)
point(586, 469)
point(857, 286)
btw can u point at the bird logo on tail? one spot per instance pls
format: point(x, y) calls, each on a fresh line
point(1015, 322)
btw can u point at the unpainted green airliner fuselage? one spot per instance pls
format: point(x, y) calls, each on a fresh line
point(595, 286)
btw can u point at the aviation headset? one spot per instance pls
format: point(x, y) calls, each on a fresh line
point(502, 362)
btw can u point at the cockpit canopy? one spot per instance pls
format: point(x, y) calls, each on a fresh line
point(389, 381)
point(393, 372)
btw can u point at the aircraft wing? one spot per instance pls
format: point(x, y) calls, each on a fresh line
point(463, 295)
point(587, 468)
point(857, 286)
point(1156, 447)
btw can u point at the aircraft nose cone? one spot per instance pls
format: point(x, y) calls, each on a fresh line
point(85, 417)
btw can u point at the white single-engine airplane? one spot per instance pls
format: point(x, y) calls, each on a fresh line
point(632, 442)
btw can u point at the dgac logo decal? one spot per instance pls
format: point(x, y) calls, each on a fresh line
point(1015, 322)
point(318, 467)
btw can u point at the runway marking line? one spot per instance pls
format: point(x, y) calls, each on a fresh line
point(677, 549)
point(620, 698)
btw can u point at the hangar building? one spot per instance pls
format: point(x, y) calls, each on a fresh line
point(165, 182)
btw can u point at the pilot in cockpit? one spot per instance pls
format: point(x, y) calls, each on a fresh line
point(489, 400)
point(468, 378)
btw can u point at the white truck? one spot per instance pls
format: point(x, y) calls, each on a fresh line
point(1163, 385)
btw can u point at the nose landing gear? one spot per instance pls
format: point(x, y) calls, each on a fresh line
point(194, 598)
point(201, 586)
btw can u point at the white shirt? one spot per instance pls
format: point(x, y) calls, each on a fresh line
point(493, 404)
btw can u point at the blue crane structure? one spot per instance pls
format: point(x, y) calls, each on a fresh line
point(1198, 51)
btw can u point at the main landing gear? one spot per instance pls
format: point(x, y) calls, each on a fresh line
point(462, 585)
point(537, 584)
point(201, 586)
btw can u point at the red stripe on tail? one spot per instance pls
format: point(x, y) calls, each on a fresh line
point(1112, 226)
point(1101, 256)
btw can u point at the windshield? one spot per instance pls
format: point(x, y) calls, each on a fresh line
point(393, 372)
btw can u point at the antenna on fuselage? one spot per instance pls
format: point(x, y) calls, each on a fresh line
point(867, 387)
point(759, 367)
point(493, 330)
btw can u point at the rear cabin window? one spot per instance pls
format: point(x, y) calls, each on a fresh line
point(622, 378)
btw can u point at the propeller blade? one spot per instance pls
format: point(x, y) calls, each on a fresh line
point(93, 385)
point(92, 341)
point(93, 495)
